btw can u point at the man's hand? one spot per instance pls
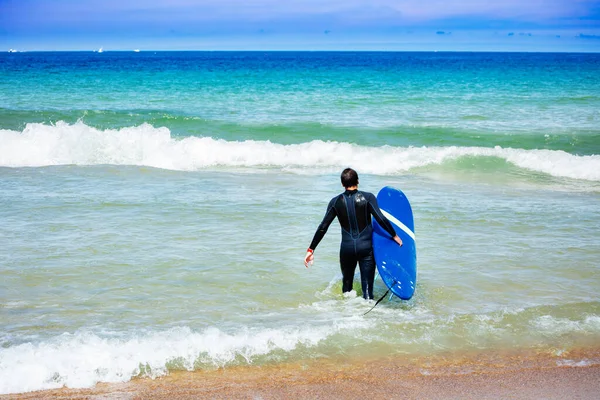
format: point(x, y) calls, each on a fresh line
point(308, 258)
point(398, 240)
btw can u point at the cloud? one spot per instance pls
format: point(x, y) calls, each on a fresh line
point(411, 10)
point(584, 36)
point(351, 12)
point(47, 20)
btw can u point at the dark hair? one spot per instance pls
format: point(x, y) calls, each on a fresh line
point(349, 178)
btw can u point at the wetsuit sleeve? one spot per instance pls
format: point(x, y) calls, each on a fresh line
point(324, 225)
point(379, 217)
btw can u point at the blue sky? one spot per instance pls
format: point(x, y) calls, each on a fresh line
point(528, 25)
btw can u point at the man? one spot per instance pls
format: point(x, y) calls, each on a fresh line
point(353, 209)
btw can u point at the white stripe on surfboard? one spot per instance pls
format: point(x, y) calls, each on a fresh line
point(399, 224)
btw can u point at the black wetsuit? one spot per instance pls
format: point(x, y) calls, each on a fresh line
point(353, 209)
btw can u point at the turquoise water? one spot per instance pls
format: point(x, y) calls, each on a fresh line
point(156, 208)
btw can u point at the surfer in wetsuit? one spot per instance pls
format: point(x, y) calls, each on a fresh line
point(353, 208)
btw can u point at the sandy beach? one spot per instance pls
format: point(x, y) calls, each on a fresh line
point(476, 376)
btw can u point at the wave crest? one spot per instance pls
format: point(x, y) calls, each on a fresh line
point(67, 144)
point(83, 359)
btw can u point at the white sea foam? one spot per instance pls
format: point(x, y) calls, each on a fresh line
point(577, 363)
point(548, 325)
point(79, 144)
point(83, 359)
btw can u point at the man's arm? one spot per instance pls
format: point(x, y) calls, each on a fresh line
point(321, 231)
point(382, 220)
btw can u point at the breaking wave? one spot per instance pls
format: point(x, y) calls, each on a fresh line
point(79, 144)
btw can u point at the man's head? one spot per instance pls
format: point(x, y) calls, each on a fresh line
point(349, 178)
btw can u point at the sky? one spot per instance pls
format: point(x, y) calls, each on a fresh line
point(488, 25)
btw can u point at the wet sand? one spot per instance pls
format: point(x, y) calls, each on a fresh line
point(476, 376)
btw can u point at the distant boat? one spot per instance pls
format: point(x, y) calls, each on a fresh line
point(100, 50)
point(136, 50)
point(12, 51)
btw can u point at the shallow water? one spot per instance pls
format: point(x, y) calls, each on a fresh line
point(130, 245)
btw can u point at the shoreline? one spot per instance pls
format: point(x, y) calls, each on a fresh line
point(486, 375)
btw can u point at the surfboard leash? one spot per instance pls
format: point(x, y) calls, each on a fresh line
point(378, 301)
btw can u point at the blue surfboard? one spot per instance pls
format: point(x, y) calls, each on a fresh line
point(397, 265)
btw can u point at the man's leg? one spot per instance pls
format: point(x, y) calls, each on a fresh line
point(367, 274)
point(348, 266)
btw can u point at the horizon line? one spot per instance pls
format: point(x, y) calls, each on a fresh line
point(15, 51)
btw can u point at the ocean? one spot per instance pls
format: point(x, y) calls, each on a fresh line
point(155, 208)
